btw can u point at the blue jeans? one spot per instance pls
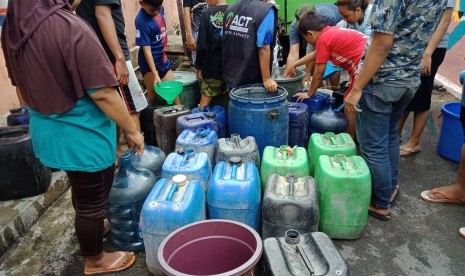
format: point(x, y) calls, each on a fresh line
point(382, 106)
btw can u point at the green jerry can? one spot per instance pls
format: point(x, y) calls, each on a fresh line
point(283, 160)
point(344, 192)
point(329, 144)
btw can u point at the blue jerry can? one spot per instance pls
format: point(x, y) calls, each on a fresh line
point(234, 193)
point(170, 205)
point(195, 121)
point(195, 166)
point(200, 140)
point(298, 124)
point(220, 117)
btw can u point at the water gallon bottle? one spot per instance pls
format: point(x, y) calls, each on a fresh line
point(200, 140)
point(298, 124)
point(220, 117)
point(328, 120)
point(290, 202)
point(302, 255)
point(195, 166)
point(234, 193)
point(284, 160)
point(170, 205)
point(151, 159)
point(246, 149)
point(344, 192)
point(196, 121)
point(329, 144)
point(18, 116)
point(130, 188)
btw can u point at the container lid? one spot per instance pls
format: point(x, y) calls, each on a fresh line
point(235, 160)
point(186, 77)
point(180, 180)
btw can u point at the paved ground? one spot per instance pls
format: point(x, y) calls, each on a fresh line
point(421, 239)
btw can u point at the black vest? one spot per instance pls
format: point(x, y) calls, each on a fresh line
point(240, 53)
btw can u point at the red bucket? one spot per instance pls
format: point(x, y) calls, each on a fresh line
point(211, 247)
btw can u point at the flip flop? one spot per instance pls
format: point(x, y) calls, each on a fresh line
point(446, 197)
point(408, 151)
point(381, 217)
point(115, 266)
point(395, 193)
point(462, 232)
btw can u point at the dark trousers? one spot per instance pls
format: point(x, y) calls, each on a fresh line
point(89, 191)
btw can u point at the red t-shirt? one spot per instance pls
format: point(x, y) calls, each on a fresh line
point(343, 47)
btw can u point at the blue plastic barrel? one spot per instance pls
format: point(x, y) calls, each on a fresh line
point(234, 193)
point(195, 121)
point(298, 124)
point(451, 136)
point(195, 166)
point(170, 205)
point(255, 112)
point(220, 117)
point(201, 140)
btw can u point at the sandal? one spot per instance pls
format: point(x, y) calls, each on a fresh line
point(116, 265)
point(462, 232)
point(377, 215)
point(393, 199)
point(403, 151)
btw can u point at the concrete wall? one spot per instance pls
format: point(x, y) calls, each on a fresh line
point(8, 97)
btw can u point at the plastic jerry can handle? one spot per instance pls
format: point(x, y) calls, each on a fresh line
point(236, 139)
point(291, 178)
point(187, 155)
point(201, 133)
point(330, 136)
point(341, 159)
point(235, 161)
point(174, 188)
point(195, 118)
point(292, 237)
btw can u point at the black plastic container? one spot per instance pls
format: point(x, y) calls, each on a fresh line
point(302, 255)
point(164, 120)
point(22, 174)
point(146, 122)
point(289, 202)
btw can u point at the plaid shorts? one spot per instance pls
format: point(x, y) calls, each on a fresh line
point(212, 87)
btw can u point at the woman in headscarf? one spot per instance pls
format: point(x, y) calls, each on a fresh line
point(64, 75)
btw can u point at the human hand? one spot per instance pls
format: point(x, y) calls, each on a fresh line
point(289, 71)
point(191, 43)
point(156, 79)
point(301, 96)
point(426, 65)
point(352, 100)
point(199, 74)
point(137, 140)
point(122, 73)
point(270, 85)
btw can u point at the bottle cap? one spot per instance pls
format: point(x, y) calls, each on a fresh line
point(180, 180)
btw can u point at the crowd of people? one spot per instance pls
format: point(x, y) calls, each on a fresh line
point(81, 85)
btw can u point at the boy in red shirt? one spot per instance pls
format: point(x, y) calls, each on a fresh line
point(343, 47)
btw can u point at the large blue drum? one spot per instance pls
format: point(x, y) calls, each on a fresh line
point(255, 112)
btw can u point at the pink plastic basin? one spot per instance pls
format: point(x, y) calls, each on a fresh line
point(211, 247)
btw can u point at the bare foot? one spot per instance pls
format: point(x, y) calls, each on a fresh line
point(107, 262)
